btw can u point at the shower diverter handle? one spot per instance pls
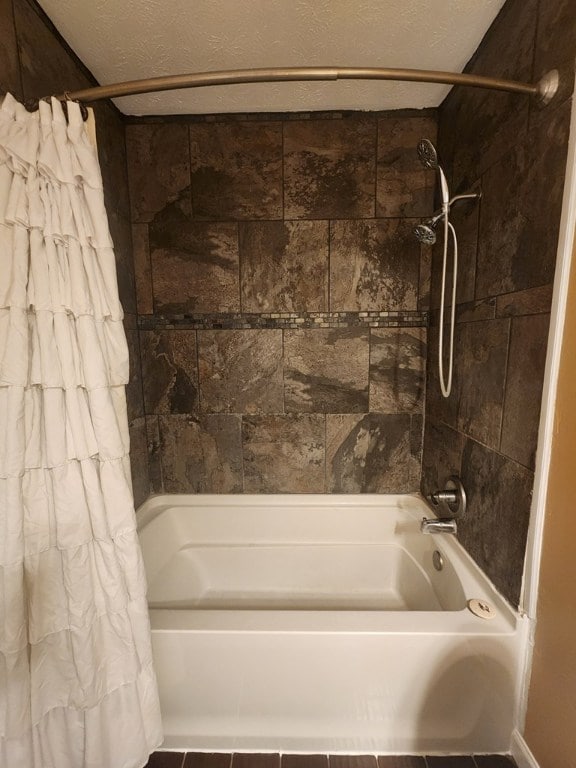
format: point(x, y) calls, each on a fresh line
point(453, 496)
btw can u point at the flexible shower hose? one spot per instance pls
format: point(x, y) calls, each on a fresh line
point(446, 387)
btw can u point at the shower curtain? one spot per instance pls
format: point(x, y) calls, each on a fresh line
point(77, 687)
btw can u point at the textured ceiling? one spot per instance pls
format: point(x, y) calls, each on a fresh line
point(135, 39)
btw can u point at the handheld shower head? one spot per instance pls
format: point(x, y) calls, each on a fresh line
point(427, 154)
point(429, 159)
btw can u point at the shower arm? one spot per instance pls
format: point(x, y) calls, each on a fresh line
point(544, 90)
point(439, 212)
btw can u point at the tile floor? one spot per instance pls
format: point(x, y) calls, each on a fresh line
point(242, 760)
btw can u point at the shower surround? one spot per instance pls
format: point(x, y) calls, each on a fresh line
point(282, 300)
point(487, 431)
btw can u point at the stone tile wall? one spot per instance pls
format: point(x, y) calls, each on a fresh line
point(516, 154)
point(282, 300)
point(36, 62)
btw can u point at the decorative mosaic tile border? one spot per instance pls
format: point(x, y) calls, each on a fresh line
point(295, 320)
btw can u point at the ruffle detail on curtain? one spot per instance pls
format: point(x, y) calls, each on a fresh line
point(68, 738)
point(77, 687)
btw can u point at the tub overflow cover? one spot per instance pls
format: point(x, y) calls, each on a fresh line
point(481, 608)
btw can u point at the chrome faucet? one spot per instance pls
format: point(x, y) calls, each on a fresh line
point(438, 525)
point(454, 498)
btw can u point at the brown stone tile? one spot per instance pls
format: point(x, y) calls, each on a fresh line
point(533, 301)
point(495, 526)
point(441, 455)
point(425, 277)
point(46, 65)
point(134, 400)
point(556, 38)
point(195, 266)
point(259, 760)
point(520, 216)
point(401, 761)
point(170, 371)
point(404, 186)
point(371, 453)
point(494, 761)
point(464, 217)
point(374, 265)
point(353, 761)
point(121, 233)
point(241, 371)
point(326, 370)
point(480, 358)
point(304, 761)
point(439, 407)
point(158, 168)
point(154, 454)
point(208, 760)
point(397, 369)
point(472, 311)
point(522, 401)
point(139, 461)
point(236, 170)
point(130, 321)
point(471, 146)
point(450, 761)
point(142, 269)
point(201, 454)
point(165, 760)
point(284, 266)
point(284, 454)
point(9, 64)
point(329, 168)
point(111, 132)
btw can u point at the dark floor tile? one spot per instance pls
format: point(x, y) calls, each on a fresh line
point(401, 761)
point(304, 761)
point(207, 760)
point(450, 761)
point(260, 760)
point(165, 760)
point(494, 761)
point(353, 761)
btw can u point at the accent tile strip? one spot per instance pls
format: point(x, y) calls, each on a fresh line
point(282, 320)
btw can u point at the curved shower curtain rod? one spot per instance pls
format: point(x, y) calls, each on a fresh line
point(544, 90)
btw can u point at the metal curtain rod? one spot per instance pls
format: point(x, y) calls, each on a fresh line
point(544, 90)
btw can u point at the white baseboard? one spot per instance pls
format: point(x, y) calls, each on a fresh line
point(521, 752)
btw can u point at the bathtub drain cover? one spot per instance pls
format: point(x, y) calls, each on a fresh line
point(481, 608)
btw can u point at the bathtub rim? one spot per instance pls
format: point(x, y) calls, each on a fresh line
point(411, 506)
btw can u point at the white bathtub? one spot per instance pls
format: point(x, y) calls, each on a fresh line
point(308, 623)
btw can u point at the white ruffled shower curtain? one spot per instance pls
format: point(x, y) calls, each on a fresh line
point(77, 686)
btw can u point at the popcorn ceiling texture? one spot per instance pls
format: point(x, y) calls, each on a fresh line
point(136, 39)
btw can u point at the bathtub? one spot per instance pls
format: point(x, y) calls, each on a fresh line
point(311, 623)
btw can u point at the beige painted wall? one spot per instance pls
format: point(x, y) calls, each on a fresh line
point(551, 721)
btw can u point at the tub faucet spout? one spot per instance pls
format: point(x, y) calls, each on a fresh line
point(438, 525)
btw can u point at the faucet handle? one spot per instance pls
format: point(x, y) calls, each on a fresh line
point(454, 496)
